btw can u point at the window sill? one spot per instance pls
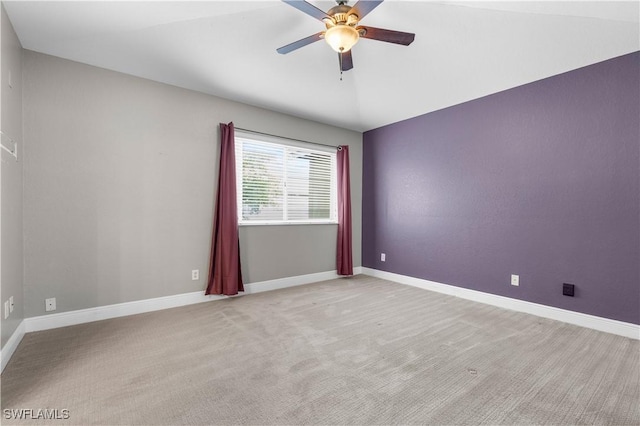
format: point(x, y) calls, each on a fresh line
point(286, 223)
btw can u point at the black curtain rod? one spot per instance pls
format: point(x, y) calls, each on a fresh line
point(339, 148)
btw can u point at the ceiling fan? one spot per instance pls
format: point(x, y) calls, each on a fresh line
point(343, 31)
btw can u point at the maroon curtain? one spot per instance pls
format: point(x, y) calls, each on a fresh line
point(225, 276)
point(344, 259)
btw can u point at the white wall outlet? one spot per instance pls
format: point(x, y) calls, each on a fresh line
point(383, 257)
point(195, 274)
point(50, 304)
point(515, 280)
point(6, 309)
point(11, 304)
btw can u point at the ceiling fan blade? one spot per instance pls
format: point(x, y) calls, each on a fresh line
point(363, 7)
point(300, 43)
point(307, 8)
point(346, 61)
point(389, 36)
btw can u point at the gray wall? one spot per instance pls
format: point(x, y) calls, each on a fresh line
point(541, 181)
point(120, 178)
point(11, 269)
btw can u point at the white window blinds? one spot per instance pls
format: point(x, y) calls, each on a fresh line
point(280, 183)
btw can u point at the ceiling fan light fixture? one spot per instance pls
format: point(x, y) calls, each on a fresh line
point(341, 37)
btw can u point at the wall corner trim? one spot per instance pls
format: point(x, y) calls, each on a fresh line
point(607, 325)
point(12, 344)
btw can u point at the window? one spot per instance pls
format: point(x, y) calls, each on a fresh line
point(280, 182)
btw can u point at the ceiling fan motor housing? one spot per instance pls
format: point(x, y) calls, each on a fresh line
point(340, 16)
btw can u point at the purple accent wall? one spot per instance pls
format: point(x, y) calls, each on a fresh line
point(541, 180)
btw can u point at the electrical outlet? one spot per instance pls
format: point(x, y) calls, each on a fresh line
point(195, 274)
point(383, 257)
point(11, 304)
point(50, 304)
point(6, 309)
point(515, 280)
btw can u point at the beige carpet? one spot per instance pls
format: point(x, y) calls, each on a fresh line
point(348, 351)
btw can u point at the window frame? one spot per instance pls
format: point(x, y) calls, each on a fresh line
point(286, 144)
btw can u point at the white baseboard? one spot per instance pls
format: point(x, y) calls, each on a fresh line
point(294, 281)
point(63, 319)
point(81, 316)
point(576, 318)
point(12, 344)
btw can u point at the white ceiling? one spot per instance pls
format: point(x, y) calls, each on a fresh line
point(462, 50)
